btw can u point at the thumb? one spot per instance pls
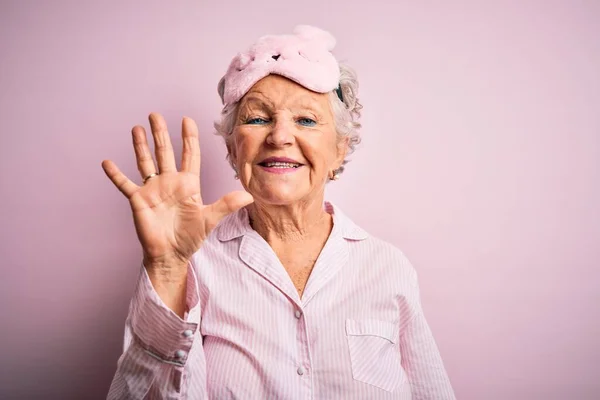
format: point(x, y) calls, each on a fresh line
point(228, 204)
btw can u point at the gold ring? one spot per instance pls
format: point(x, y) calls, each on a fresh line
point(150, 176)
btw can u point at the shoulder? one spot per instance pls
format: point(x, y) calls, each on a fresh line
point(369, 250)
point(379, 253)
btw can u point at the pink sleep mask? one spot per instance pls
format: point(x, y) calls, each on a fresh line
point(304, 57)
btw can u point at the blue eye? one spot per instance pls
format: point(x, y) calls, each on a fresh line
point(306, 122)
point(257, 121)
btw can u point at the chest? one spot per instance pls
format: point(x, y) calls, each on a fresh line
point(299, 265)
point(351, 323)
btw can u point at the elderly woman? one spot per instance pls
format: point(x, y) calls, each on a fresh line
point(269, 293)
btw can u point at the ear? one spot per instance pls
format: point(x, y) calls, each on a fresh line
point(342, 151)
point(221, 89)
point(231, 148)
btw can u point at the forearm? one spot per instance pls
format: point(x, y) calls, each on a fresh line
point(159, 360)
point(169, 279)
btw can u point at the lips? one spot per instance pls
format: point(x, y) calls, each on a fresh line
point(280, 162)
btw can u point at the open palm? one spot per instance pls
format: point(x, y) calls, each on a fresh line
point(170, 218)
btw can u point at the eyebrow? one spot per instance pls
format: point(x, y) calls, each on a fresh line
point(308, 102)
point(302, 102)
point(256, 100)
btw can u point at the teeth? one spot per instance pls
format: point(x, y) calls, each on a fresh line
point(281, 165)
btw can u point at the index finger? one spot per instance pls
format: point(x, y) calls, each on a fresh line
point(190, 159)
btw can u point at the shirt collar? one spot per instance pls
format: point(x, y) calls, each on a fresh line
point(237, 224)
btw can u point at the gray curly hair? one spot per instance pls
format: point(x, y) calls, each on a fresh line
point(346, 114)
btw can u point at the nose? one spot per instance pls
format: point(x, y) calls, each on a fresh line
point(281, 134)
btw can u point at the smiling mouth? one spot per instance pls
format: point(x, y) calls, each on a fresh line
point(279, 164)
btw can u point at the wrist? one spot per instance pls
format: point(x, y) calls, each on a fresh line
point(170, 283)
point(166, 264)
point(169, 274)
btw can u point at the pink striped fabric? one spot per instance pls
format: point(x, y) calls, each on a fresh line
point(358, 332)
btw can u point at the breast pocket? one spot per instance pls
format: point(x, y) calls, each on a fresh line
point(374, 354)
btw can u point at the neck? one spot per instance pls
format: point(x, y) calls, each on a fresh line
point(290, 223)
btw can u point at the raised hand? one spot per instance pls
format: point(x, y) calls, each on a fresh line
point(170, 218)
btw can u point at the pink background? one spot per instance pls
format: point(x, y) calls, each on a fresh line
point(480, 159)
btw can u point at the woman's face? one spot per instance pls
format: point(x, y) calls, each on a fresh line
point(284, 144)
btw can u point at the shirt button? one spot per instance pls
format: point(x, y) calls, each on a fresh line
point(298, 314)
point(180, 354)
point(300, 371)
point(187, 333)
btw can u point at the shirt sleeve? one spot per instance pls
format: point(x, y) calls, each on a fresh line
point(162, 354)
point(421, 358)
